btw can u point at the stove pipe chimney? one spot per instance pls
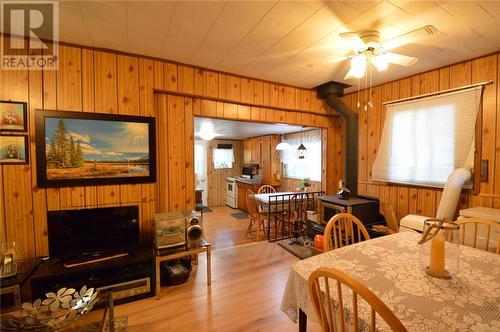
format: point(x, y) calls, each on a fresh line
point(331, 93)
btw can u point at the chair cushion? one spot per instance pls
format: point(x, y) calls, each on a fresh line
point(412, 222)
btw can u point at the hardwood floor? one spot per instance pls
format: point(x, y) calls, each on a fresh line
point(223, 230)
point(248, 280)
point(247, 286)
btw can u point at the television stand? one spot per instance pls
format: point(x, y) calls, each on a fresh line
point(130, 277)
point(96, 259)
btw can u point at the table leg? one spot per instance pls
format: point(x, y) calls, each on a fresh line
point(158, 281)
point(302, 321)
point(209, 266)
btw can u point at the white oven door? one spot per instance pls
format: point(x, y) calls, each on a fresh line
point(231, 201)
point(230, 188)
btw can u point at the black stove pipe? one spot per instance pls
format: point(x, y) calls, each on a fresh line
point(331, 93)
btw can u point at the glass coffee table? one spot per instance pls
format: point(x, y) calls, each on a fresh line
point(100, 320)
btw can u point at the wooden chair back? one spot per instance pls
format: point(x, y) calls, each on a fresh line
point(253, 210)
point(387, 210)
point(322, 302)
point(490, 229)
point(344, 229)
point(266, 189)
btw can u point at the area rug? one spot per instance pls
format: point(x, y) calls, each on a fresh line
point(239, 215)
point(298, 251)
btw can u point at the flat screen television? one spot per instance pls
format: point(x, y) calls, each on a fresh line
point(78, 149)
point(91, 232)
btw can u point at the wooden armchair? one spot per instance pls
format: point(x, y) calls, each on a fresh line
point(328, 317)
point(344, 229)
point(266, 189)
point(257, 219)
point(490, 228)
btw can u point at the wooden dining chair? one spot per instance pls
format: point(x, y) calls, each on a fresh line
point(257, 218)
point(292, 214)
point(344, 229)
point(335, 320)
point(489, 228)
point(266, 189)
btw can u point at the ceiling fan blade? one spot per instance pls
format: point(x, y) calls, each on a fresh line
point(331, 60)
point(334, 60)
point(399, 59)
point(349, 75)
point(409, 37)
point(356, 42)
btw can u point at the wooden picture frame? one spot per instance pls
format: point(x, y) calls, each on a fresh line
point(13, 116)
point(99, 149)
point(14, 149)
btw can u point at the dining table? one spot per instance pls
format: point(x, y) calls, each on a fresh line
point(274, 198)
point(389, 267)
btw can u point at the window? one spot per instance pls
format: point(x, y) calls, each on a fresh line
point(200, 158)
point(223, 158)
point(309, 167)
point(424, 140)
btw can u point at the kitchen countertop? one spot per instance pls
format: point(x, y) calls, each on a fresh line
point(248, 181)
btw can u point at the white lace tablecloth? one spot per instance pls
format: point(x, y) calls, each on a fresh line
point(388, 266)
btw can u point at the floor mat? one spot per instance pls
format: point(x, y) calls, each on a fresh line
point(206, 209)
point(298, 251)
point(239, 215)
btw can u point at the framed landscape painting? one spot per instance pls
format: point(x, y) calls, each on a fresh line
point(76, 149)
point(13, 116)
point(14, 149)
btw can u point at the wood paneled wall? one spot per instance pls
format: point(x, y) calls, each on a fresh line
point(420, 200)
point(216, 178)
point(91, 80)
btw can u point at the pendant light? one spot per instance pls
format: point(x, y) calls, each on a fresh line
point(301, 152)
point(282, 145)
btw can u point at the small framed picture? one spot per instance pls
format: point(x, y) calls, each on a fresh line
point(13, 116)
point(14, 149)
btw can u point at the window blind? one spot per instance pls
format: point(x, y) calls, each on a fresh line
point(424, 140)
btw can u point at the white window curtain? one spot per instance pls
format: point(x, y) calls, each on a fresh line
point(425, 139)
point(309, 167)
point(223, 158)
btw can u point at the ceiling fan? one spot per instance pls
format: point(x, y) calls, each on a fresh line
point(368, 48)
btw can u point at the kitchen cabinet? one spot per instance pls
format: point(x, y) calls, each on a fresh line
point(256, 147)
point(252, 150)
point(265, 165)
point(247, 151)
point(242, 189)
point(270, 160)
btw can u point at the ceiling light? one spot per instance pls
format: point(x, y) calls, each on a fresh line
point(380, 61)
point(207, 132)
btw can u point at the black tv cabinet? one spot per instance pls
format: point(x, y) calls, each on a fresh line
point(130, 277)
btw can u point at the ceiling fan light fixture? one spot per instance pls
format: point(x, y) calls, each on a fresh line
point(358, 66)
point(381, 61)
